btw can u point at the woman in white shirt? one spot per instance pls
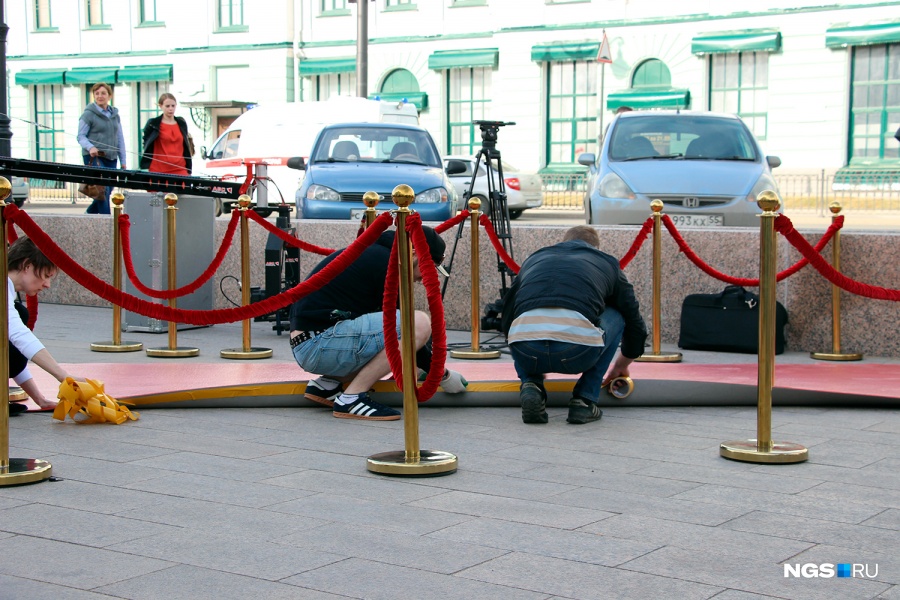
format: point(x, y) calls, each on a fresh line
point(29, 272)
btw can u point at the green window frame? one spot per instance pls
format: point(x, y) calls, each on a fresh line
point(147, 104)
point(93, 14)
point(43, 16)
point(334, 7)
point(874, 104)
point(231, 14)
point(148, 13)
point(468, 99)
point(739, 84)
point(399, 5)
point(50, 134)
point(326, 85)
point(571, 94)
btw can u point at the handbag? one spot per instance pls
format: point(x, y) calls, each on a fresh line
point(96, 192)
point(726, 322)
point(190, 144)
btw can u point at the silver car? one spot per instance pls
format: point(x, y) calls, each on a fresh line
point(707, 168)
point(20, 190)
point(523, 190)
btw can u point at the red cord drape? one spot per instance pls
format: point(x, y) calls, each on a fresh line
point(639, 240)
point(31, 302)
point(498, 247)
point(288, 239)
point(451, 222)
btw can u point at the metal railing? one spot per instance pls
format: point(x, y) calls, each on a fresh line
point(563, 190)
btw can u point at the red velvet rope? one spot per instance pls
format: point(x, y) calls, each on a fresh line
point(125, 230)
point(451, 222)
point(435, 307)
point(682, 245)
point(31, 302)
point(287, 238)
point(498, 247)
point(193, 317)
point(784, 226)
point(639, 240)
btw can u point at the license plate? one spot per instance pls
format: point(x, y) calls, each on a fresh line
point(356, 214)
point(697, 220)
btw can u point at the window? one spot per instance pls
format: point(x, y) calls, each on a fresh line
point(231, 13)
point(42, 18)
point(468, 100)
point(572, 110)
point(93, 13)
point(875, 103)
point(148, 11)
point(148, 93)
point(50, 139)
point(651, 73)
point(399, 4)
point(331, 6)
point(323, 87)
point(739, 84)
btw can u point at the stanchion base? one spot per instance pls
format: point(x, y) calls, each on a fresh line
point(833, 356)
point(17, 394)
point(114, 347)
point(250, 353)
point(660, 357)
point(25, 470)
point(431, 463)
point(748, 451)
point(177, 352)
point(475, 354)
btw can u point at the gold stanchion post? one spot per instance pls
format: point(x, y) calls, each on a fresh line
point(763, 449)
point(117, 345)
point(657, 355)
point(246, 351)
point(13, 471)
point(412, 462)
point(371, 200)
point(172, 350)
point(476, 351)
point(836, 354)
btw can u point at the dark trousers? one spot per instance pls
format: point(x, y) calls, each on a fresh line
point(100, 207)
point(17, 360)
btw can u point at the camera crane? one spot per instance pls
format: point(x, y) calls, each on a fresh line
point(496, 210)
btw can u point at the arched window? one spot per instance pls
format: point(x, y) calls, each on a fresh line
point(400, 81)
point(651, 73)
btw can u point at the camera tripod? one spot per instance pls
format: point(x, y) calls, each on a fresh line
point(497, 211)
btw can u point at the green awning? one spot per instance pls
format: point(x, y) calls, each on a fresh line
point(649, 98)
point(146, 73)
point(41, 77)
point(565, 52)
point(420, 99)
point(460, 59)
point(862, 35)
point(748, 40)
point(324, 66)
point(92, 75)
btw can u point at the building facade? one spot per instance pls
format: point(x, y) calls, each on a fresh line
point(818, 85)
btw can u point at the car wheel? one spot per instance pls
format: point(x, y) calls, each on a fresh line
point(19, 202)
point(218, 207)
point(265, 213)
point(515, 214)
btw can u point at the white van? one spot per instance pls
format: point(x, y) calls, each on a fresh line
point(269, 134)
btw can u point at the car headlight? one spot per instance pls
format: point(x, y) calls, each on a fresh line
point(432, 196)
point(320, 192)
point(613, 186)
point(765, 182)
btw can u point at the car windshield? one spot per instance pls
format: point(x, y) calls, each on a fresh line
point(686, 137)
point(376, 144)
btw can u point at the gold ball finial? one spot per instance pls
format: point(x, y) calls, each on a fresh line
point(656, 205)
point(768, 201)
point(371, 199)
point(243, 200)
point(117, 198)
point(171, 199)
point(403, 195)
point(474, 204)
point(5, 188)
point(835, 207)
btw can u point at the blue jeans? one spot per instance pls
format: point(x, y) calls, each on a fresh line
point(100, 207)
point(345, 348)
point(533, 359)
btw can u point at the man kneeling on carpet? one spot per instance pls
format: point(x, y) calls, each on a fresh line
point(337, 332)
point(566, 312)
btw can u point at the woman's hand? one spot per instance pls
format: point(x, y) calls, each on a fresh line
point(93, 152)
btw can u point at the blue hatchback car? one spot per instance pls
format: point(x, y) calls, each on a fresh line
point(349, 159)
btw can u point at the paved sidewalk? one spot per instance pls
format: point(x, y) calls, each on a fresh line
point(277, 503)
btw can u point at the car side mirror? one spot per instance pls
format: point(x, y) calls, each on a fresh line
point(455, 167)
point(587, 159)
point(203, 153)
point(297, 162)
point(773, 161)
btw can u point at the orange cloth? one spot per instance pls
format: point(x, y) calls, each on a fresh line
point(168, 151)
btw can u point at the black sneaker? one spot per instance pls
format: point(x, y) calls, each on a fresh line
point(317, 393)
point(365, 408)
point(534, 403)
point(15, 409)
point(582, 411)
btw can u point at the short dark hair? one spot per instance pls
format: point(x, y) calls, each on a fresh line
point(585, 233)
point(24, 252)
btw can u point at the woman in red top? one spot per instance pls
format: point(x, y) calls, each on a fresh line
point(166, 143)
